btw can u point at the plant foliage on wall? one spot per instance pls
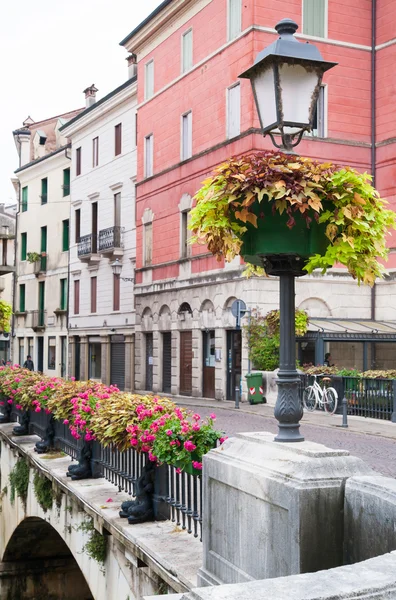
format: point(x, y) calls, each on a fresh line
point(19, 480)
point(96, 546)
point(43, 491)
point(5, 316)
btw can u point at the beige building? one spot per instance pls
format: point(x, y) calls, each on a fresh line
point(42, 246)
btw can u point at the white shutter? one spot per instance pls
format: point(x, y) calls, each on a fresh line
point(148, 243)
point(148, 158)
point(149, 80)
point(186, 136)
point(187, 51)
point(234, 111)
point(234, 18)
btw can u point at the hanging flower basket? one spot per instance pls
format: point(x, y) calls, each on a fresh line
point(288, 212)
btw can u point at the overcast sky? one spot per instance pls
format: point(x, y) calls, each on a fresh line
point(51, 50)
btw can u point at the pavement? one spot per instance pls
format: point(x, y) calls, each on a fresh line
point(372, 440)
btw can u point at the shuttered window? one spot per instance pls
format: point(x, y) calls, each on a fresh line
point(118, 139)
point(78, 225)
point(24, 199)
point(234, 18)
point(116, 292)
point(66, 182)
point(233, 111)
point(319, 120)
point(63, 294)
point(77, 297)
point(95, 152)
point(186, 136)
point(148, 244)
point(314, 17)
point(44, 191)
point(149, 80)
point(22, 297)
point(78, 161)
point(187, 51)
point(65, 235)
point(148, 155)
point(185, 234)
point(23, 245)
point(94, 281)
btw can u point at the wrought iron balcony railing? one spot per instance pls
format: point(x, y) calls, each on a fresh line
point(87, 245)
point(110, 238)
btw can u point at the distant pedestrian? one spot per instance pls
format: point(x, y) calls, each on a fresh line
point(28, 364)
point(327, 360)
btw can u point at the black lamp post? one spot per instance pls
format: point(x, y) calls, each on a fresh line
point(286, 78)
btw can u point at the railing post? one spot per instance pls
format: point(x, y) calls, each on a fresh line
point(161, 491)
point(393, 417)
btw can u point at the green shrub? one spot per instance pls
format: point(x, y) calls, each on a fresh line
point(43, 491)
point(19, 480)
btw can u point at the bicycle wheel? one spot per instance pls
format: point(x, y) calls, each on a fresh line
point(310, 398)
point(330, 400)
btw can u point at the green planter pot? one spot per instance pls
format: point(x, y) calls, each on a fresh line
point(272, 240)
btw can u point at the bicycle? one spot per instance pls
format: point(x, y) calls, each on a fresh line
point(326, 397)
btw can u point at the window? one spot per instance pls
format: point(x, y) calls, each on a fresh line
point(24, 199)
point(319, 127)
point(52, 352)
point(147, 244)
point(187, 51)
point(63, 294)
point(117, 139)
point(234, 18)
point(65, 235)
point(116, 292)
point(21, 350)
point(314, 17)
point(95, 152)
point(4, 261)
point(22, 297)
point(23, 246)
point(77, 297)
point(43, 247)
point(95, 359)
point(94, 227)
point(78, 161)
point(149, 80)
point(148, 155)
point(186, 136)
point(94, 281)
point(41, 312)
point(233, 111)
point(78, 225)
point(185, 234)
point(44, 191)
point(31, 347)
point(117, 211)
point(66, 182)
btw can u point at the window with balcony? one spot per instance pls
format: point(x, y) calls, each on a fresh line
point(315, 17)
point(186, 136)
point(233, 111)
point(63, 294)
point(77, 297)
point(66, 182)
point(148, 155)
point(44, 191)
point(95, 152)
point(52, 352)
point(22, 297)
point(118, 139)
point(23, 246)
point(149, 80)
point(187, 51)
point(94, 286)
point(65, 235)
point(78, 161)
point(24, 198)
point(77, 219)
point(234, 18)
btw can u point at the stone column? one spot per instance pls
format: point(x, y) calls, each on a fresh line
point(139, 361)
point(157, 362)
point(105, 365)
point(84, 358)
point(71, 354)
point(175, 362)
point(129, 362)
point(197, 373)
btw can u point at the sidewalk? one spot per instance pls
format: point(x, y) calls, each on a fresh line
point(362, 425)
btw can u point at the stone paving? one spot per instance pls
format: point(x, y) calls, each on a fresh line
point(371, 440)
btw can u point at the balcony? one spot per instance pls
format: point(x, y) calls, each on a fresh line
point(38, 318)
point(40, 266)
point(87, 250)
point(110, 241)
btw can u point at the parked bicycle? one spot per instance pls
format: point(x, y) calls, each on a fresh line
point(326, 397)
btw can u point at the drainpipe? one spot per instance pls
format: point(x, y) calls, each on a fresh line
point(14, 276)
point(373, 120)
point(68, 276)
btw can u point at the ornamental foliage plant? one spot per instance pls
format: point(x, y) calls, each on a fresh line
point(355, 219)
point(5, 316)
point(94, 411)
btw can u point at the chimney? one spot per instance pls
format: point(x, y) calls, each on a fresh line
point(22, 143)
point(132, 65)
point(90, 95)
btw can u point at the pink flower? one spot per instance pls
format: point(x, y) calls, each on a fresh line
point(66, 422)
point(169, 432)
point(18, 406)
point(213, 416)
point(37, 409)
point(189, 446)
point(152, 457)
point(196, 427)
point(196, 417)
point(9, 401)
point(109, 500)
point(178, 471)
point(134, 442)
point(223, 439)
point(197, 465)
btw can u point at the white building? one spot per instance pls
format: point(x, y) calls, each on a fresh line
point(102, 313)
point(40, 305)
point(7, 271)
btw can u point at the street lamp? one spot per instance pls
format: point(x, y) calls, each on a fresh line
point(286, 78)
point(117, 268)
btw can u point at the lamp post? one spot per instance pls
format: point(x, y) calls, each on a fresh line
point(117, 268)
point(286, 78)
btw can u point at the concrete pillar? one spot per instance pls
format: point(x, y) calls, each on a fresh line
point(129, 363)
point(157, 362)
point(160, 352)
point(221, 364)
point(139, 361)
point(105, 365)
point(175, 362)
point(71, 356)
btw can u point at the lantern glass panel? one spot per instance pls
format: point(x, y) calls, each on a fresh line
point(263, 83)
point(298, 86)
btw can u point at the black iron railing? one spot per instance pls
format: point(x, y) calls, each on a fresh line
point(87, 245)
point(185, 500)
point(110, 238)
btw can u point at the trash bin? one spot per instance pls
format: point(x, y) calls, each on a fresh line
point(255, 388)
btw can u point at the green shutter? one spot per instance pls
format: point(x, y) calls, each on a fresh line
point(314, 17)
point(23, 245)
point(24, 199)
point(65, 235)
point(63, 294)
point(44, 191)
point(22, 291)
point(66, 182)
point(44, 239)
